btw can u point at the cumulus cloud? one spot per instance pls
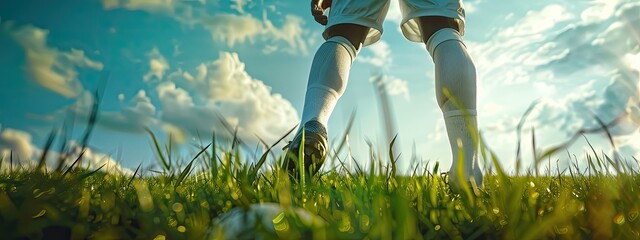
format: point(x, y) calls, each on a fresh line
point(25, 154)
point(238, 5)
point(379, 55)
point(392, 86)
point(231, 29)
point(138, 113)
point(135, 114)
point(613, 92)
point(164, 6)
point(223, 88)
point(15, 142)
point(50, 67)
point(158, 65)
point(510, 55)
point(227, 28)
point(598, 54)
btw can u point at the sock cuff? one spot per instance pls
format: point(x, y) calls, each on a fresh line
point(441, 36)
point(344, 42)
point(462, 112)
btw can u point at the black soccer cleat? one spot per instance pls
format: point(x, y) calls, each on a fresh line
point(315, 149)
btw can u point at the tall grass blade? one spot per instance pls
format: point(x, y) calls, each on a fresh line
point(93, 117)
point(188, 168)
point(46, 149)
point(263, 158)
point(78, 159)
point(344, 137)
point(166, 165)
point(519, 128)
point(134, 175)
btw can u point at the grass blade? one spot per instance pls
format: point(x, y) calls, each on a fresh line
point(163, 160)
point(46, 149)
point(187, 169)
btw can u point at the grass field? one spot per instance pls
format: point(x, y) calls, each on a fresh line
point(182, 202)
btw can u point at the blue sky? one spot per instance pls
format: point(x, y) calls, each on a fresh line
point(176, 66)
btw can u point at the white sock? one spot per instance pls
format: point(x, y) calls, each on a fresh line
point(460, 138)
point(327, 79)
point(456, 72)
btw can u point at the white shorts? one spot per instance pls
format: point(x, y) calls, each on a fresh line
point(371, 13)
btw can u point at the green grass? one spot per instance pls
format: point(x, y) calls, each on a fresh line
point(183, 199)
point(368, 202)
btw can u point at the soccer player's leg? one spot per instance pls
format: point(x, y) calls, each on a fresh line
point(349, 26)
point(328, 79)
point(440, 28)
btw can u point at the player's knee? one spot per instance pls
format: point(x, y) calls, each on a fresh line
point(356, 34)
point(441, 36)
point(346, 44)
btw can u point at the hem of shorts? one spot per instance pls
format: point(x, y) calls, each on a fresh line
point(426, 13)
point(362, 22)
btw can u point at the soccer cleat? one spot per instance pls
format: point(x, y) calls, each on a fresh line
point(475, 183)
point(315, 149)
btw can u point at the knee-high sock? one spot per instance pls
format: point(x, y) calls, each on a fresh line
point(327, 79)
point(455, 72)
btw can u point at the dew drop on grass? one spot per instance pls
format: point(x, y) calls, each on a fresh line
point(503, 222)
point(177, 207)
point(619, 219)
point(364, 222)
point(279, 222)
point(160, 237)
point(496, 210)
point(562, 230)
point(40, 214)
point(633, 214)
point(437, 227)
point(535, 195)
point(182, 229)
point(172, 222)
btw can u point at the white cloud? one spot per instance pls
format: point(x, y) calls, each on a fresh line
point(231, 29)
point(576, 64)
point(135, 114)
point(133, 117)
point(17, 141)
point(50, 67)
point(629, 146)
point(599, 11)
point(227, 28)
point(223, 86)
point(238, 5)
point(93, 160)
point(165, 6)
point(158, 65)
point(393, 86)
point(394, 13)
point(26, 155)
point(531, 24)
point(379, 55)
